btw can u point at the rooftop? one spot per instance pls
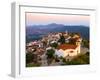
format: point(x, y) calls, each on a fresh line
point(67, 46)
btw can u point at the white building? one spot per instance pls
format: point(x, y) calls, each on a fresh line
point(67, 50)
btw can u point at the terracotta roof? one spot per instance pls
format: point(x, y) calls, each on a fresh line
point(67, 46)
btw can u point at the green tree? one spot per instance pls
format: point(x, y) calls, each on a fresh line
point(86, 43)
point(29, 57)
point(50, 56)
point(80, 59)
point(50, 53)
point(62, 39)
point(54, 45)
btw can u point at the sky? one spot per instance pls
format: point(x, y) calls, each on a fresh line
point(43, 19)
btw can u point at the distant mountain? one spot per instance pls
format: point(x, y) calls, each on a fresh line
point(37, 31)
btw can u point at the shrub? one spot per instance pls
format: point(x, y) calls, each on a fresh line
point(29, 57)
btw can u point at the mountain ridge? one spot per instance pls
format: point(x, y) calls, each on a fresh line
point(54, 27)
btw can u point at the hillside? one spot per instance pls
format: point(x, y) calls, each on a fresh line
point(37, 31)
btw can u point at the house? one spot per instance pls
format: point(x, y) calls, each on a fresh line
point(48, 48)
point(65, 50)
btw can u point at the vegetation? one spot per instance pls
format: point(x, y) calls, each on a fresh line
point(29, 57)
point(32, 65)
point(50, 56)
point(54, 45)
point(50, 53)
point(80, 59)
point(34, 60)
point(85, 43)
point(62, 39)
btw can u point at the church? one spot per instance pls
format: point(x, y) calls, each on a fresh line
point(65, 50)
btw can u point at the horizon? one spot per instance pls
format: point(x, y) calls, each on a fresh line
point(57, 24)
point(45, 19)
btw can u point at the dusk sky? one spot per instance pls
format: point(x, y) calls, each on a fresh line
point(43, 19)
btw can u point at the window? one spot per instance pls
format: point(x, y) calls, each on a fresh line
point(71, 51)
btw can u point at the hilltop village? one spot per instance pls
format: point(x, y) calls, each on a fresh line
point(53, 49)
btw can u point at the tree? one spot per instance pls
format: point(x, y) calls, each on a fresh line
point(29, 57)
point(54, 45)
point(80, 59)
point(86, 43)
point(50, 56)
point(62, 39)
point(50, 53)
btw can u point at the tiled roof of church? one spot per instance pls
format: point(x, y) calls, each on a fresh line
point(67, 46)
